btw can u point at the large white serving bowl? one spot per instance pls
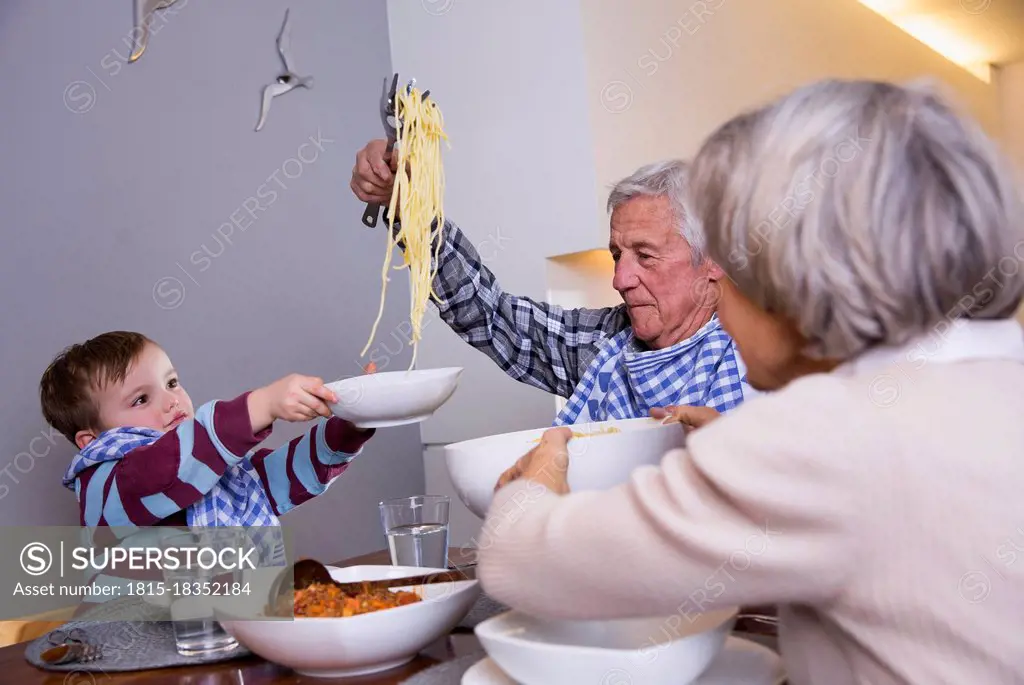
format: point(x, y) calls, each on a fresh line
point(668, 650)
point(367, 643)
point(597, 462)
point(393, 398)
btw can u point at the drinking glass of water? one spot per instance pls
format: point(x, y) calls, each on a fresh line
point(195, 630)
point(417, 530)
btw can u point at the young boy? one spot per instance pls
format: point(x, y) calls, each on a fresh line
point(146, 458)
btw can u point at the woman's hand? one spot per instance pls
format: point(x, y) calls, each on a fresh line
point(373, 175)
point(546, 464)
point(690, 417)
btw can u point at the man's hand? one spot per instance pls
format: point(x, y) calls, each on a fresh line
point(690, 417)
point(546, 464)
point(373, 176)
point(293, 398)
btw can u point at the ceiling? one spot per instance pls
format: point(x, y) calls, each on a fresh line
point(972, 33)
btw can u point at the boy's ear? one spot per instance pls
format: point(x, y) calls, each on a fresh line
point(83, 438)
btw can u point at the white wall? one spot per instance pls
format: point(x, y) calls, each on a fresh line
point(1010, 83)
point(663, 74)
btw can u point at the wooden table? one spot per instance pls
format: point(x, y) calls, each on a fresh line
point(250, 670)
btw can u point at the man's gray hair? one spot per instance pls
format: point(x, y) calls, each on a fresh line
point(668, 178)
point(865, 212)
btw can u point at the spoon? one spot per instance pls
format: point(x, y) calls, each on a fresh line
point(303, 573)
point(69, 652)
point(61, 654)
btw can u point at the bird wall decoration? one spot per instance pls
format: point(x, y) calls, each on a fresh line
point(288, 80)
point(144, 11)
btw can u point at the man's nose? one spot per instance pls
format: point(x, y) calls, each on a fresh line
point(625, 276)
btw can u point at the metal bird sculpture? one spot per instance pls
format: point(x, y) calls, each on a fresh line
point(287, 81)
point(144, 10)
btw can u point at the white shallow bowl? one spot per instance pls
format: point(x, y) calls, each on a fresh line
point(597, 462)
point(393, 398)
point(741, 662)
point(666, 650)
point(367, 643)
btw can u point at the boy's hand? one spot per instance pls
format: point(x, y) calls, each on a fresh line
point(293, 398)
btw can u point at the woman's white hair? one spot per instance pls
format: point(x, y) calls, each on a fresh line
point(865, 212)
point(668, 178)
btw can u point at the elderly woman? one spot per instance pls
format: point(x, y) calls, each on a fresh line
point(873, 240)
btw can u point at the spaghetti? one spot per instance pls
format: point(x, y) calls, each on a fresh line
point(580, 434)
point(418, 196)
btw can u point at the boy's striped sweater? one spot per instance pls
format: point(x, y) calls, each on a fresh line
point(154, 484)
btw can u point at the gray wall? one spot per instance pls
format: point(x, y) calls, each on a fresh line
point(116, 177)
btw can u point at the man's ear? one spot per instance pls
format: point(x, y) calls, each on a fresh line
point(715, 272)
point(84, 437)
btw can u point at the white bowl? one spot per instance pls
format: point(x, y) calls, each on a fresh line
point(393, 398)
point(366, 643)
point(667, 650)
point(740, 661)
point(597, 462)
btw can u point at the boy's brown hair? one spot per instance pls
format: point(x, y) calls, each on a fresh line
point(65, 390)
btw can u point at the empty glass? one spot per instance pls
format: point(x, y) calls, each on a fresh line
point(417, 530)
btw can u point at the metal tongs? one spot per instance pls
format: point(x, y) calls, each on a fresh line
point(391, 126)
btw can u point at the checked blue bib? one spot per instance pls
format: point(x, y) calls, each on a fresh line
point(626, 381)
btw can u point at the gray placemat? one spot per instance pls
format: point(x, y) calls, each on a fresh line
point(127, 646)
point(483, 609)
point(132, 608)
point(148, 643)
point(446, 672)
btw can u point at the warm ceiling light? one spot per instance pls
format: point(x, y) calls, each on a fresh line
point(937, 35)
point(888, 6)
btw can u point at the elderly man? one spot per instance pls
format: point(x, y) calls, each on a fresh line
point(663, 346)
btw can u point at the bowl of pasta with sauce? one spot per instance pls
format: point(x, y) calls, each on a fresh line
point(601, 455)
point(335, 636)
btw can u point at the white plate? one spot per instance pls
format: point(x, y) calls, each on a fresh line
point(741, 662)
point(393, 398)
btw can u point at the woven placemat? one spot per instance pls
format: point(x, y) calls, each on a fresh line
point(144, 642)
point(483, 609)
point(446, 672)
point(128, 646)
